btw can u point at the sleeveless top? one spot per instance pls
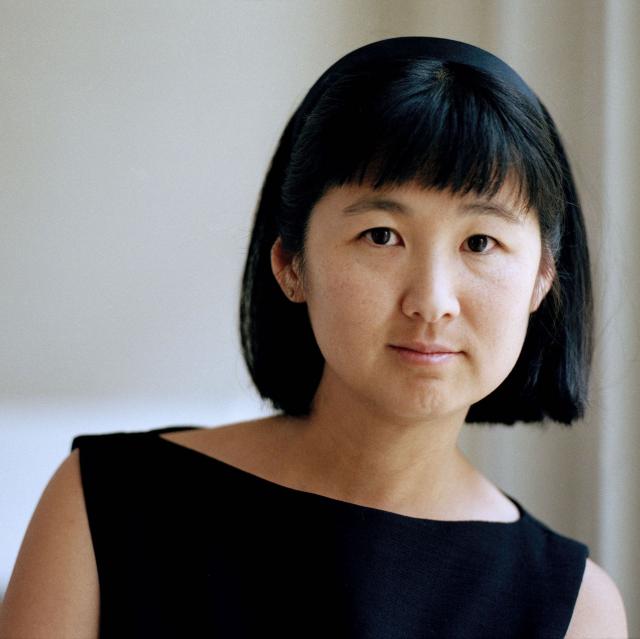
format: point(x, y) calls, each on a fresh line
point(187, 545)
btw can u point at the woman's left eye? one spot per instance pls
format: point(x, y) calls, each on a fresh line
point(478, 243)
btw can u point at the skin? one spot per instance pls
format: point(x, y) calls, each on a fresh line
point(382, 431)
point(53, 592)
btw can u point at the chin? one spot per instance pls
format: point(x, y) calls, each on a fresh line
point(420, 407)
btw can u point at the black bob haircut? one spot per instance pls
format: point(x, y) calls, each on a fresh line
point(443, 125)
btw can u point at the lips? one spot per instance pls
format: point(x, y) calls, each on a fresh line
point(427, 347)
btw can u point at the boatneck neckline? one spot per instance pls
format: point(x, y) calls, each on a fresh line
point(157, 435)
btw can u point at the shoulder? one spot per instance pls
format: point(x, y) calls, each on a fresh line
point(239, 443)
point(53, 591)
point(599, 609)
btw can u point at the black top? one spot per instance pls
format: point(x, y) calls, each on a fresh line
point(189, 546)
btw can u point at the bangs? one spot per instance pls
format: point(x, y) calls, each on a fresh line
point(441, 125)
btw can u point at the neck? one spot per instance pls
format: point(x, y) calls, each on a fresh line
point(350, 450)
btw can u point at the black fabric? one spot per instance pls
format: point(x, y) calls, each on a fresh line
point(189, 546)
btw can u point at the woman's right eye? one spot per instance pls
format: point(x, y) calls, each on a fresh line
point(379, 235)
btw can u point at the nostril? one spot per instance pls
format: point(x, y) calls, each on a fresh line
point(431, 301)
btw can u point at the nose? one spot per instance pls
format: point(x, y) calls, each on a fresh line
point(431, 290)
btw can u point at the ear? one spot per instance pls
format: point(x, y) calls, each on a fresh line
point(286, 270)
point(544, 281)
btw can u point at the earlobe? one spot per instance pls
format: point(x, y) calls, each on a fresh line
point(543, 285)
point(284, 270)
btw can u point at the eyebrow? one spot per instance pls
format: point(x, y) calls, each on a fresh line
point(377, 203)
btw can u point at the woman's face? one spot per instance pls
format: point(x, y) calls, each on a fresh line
point(416, 268)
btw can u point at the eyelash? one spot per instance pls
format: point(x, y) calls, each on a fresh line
point(384, 228)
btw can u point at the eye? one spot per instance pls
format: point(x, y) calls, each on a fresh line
point(379, 235)
point(478, 243)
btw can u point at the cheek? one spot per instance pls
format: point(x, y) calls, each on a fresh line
point(347, 305)
point(500, 308)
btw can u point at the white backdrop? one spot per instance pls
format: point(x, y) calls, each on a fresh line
point(135, 137)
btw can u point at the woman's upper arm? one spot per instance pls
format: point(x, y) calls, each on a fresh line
point(599, 610)
point(53, 591)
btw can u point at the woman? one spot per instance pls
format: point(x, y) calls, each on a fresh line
point(418, 260)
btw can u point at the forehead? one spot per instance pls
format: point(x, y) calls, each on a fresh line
point(412, 200)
